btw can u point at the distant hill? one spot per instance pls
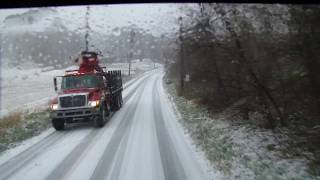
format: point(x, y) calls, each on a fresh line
point(38, 35)
point(32, 20)
point(41, 37)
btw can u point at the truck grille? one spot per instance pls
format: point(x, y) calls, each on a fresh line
point(72, 101)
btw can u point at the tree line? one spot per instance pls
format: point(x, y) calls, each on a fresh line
point(264, 56)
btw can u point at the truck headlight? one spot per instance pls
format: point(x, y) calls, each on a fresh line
point(94, 103)
point(54, 106)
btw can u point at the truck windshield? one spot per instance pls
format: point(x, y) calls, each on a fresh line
point(73, 82)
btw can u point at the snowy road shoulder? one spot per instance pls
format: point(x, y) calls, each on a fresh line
point(196, 166)
point(7, 155)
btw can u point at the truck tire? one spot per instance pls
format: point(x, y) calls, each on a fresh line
point(114, 103)
point(121, 100)
point(100, 120)
point(58, 124)
point(117, 103)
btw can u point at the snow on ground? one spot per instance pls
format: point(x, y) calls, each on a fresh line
point(5, 156)
point(57, 152)
point(172, 118)
point(143, 129)
point(31, 88)
point(238, 149)
point(27, 88)
point(256, 145)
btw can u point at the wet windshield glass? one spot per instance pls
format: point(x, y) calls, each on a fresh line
point(191, 91)
point(73, 82)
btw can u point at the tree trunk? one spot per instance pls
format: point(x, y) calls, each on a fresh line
point(260, 87)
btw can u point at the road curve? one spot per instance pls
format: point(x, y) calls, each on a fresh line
point(142, 141)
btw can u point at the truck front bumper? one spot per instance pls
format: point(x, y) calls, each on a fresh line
point(75, 114)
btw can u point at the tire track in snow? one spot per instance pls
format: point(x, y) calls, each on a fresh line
point(141, 159)
point(141, 81)
point(173, 169)
point(132, 81)
point(72, 157)
point(17, 162)
point(119, 156)
point(117, 141)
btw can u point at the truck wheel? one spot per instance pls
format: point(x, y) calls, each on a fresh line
point(58, 124)
point(102, 117)
point(121, 101)
point(117, 103)
point(114, 103)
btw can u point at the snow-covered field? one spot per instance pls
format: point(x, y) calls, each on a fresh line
point(143, 140)
point(31, 88)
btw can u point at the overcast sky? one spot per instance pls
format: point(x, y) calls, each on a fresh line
point(157, 18)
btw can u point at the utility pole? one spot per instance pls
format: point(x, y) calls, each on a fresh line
point(181, 58)
point(87, 27)
point(1, 41)
point(132, 34)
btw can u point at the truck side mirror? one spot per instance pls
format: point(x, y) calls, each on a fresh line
point(55, 84)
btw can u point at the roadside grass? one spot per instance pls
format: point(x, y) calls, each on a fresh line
point(10, 121)
point(242, 150)
point(18, 126)
point(304, 142)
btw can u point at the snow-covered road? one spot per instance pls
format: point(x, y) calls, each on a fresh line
point(142, 141)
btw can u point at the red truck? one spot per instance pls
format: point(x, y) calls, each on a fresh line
point(89, 93)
